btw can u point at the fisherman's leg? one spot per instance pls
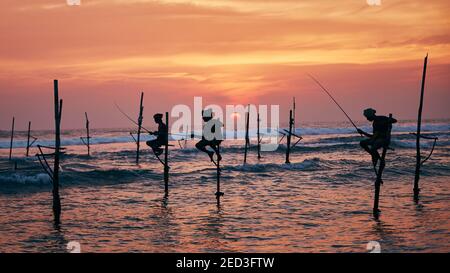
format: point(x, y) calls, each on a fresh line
point(156, 146)
point(201, 145)
point(380, 143)
point(365, 145)
point(375, 155)
point(215, 147)
point(149, 143)
point(368, 146)
point(158, 150)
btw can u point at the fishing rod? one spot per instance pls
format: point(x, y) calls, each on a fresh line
point(134, 122)
point(129, 118)
point(328, 93)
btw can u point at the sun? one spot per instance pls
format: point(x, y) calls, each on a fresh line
point(235, 115)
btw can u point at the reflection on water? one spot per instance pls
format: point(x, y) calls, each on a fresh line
point(322, 202)
point(167, 233)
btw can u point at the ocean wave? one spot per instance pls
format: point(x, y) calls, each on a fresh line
point(108, 137)
point(25, 179)
point(71, 177)
point(73, 141)
point(311, 164)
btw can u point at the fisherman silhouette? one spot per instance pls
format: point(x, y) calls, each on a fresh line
point(211, 136)
point(380, 137)
point(161, 136)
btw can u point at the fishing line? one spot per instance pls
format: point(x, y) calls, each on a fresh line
point(135, 123)
point(129, 118)
point(328, 93)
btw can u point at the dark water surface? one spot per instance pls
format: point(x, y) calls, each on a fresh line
point(322, 202)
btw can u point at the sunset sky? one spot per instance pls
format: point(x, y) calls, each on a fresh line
point(228, 51)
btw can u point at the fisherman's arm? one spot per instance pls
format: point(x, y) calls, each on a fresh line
point(364, 133)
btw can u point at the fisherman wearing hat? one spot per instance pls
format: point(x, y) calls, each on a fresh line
point(211, 136)
point(380, 136)
point(161, 135)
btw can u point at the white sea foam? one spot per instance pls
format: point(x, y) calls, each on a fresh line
point(37, 179)
point(304, 131)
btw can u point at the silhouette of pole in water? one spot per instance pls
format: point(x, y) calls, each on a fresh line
point(288, 138)
point(419, 161)
point(293, 113)
point(259, 138)
point(166, 158)
point(28, 138)
point(140, 118)
point(379, 173)
point(58, 111)
point(247, 138)
point(218, 192)
point(88, 137)
point(86, 140)
point(12, 139)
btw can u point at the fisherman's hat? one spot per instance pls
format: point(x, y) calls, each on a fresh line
point(158, 116)
point(207, 113)
point(369, 112)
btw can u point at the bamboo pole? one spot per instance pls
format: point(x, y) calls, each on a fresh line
point(29, 136)
point(294, 116)
point(140, 118)
point(259, 138)
point(218, 192)
point(247, 139)
point(379, 179)
point(28, 139)
point(88, 137)
point(166, 158)
point(288, 138)
point(12, 139)
point(56, 198)
point(416, 189)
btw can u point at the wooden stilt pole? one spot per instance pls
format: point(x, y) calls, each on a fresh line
point(376, 200)
point(12, 139)
point(294, 116)
point(247, 138)
point(288, 138)
point(28, 139)
point(140, 118)
point(379, 179)
point(419, 125)
point(218, 192)
point(166, 159)
point(88, 137)
point(259, 138)
point(56, 198)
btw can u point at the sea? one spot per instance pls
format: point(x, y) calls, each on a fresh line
point(320, 202)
